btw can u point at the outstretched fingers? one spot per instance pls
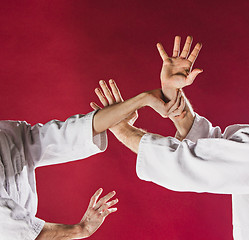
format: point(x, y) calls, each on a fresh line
point(95, 197)
point(176, 49)
point(162, 52)
point(101, 97)
point(194, 54)
point(186, 47)
point(115, 91)
point(106, 91)
point(104, 199)
point(107, 205)
point(108, 211)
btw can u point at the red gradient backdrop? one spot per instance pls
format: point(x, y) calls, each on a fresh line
point(54, 52)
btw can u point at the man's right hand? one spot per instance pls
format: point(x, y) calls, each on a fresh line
point(177, 73)
point(177, 70)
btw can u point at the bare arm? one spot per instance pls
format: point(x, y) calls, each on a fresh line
point(95, 215)
point(124, 131)
point(129, 135)
point(117, 111)
point(53, 231)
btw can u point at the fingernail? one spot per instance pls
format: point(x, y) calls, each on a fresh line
point(101, 82)
point(110, 81)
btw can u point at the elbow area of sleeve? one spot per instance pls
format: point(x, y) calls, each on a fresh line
point(153, 162)
point(175, 165)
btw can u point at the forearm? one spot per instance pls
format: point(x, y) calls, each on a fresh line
point(129, 135)
point(53, 231)
point(111, 115)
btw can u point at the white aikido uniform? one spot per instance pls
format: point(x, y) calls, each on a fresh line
point(206, 161)
point(22, 149)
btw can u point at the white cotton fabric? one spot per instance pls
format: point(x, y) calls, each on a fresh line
point(206, 161)
point(23, 148)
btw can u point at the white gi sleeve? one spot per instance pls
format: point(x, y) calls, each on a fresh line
point(22, 148)
point(59, 142)
point(215, 165)
point(240, 202)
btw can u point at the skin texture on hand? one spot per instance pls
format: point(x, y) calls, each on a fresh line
point(124, 131)
point(93, 218)
point(177, 70)
point(96, 212)
point(109, 97)
point(112, 100)
point(177, 73)
point(112, 114)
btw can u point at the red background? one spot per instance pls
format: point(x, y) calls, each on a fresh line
point(54, 52)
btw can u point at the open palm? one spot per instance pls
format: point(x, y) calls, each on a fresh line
point(177, 70)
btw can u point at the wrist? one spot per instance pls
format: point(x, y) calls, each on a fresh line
point(142, 100)
point(80, 231)
point(169, 92)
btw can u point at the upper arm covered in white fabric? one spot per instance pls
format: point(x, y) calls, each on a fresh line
point(57, 142)
point(213, 165)
point(70, 140)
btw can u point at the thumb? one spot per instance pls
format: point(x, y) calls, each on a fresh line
point(191, 77)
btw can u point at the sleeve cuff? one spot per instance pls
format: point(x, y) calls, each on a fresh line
point(37, 226)
point(98, 142)
point(140, 158)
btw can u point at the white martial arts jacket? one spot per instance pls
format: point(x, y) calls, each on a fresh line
point(206, 161)
point(22, 149)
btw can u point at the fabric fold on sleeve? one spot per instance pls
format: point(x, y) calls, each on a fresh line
point(59, 142)
point(202, 128)
point(209, 165)
point(17, 223)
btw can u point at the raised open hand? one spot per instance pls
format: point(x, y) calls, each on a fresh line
point(96, 213)
point(177, 70)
